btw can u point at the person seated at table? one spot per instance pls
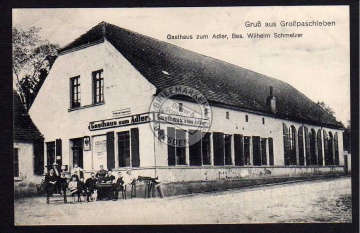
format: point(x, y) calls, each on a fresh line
point(82, 187)
point(90, 185)
point(74, 175)
point(73, 187)
point(118, 186)
point(109, 179)
point(129, 179)
point(100, 175)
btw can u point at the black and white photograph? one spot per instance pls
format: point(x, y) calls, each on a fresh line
point(181, 115)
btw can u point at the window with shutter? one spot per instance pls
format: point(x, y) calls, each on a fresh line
point(326, 147)
point(247, 150)
point(135, 155)
point(301, 146)
point(263, 152)
point(256, 151)
point(286, 145)
point(271, 152)
point(227, 147)
point(307, 146)
point(218, 144)
point(319, 147)
point(239, 149)
point(124, 149)
point(336, 145)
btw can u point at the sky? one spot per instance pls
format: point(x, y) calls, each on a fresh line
point(317, 64)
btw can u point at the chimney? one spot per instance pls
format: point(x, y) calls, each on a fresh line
point(271, 101)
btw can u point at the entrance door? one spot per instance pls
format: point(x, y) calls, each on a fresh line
point(77, 149)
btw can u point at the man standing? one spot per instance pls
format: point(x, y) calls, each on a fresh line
point(100, 175)
point(57, 173)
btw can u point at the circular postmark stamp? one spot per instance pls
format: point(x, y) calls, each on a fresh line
point(181, 116)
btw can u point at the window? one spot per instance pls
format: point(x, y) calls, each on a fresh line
point(301, 145)
point(176, 146)
point(128, 148)
point(205, 149)
point(227, 115)
point(263, 151)
point(227, 143)
point(98, 87)
point(50, 152)
point(256, 150)
point(124, 149)
point(247, 150)
point(75, 92)
point(319, 146)
point(292, 145)
point(246, 118)
point(16, 162)
point(271, 152)
point(336, 145)
point(263, 121)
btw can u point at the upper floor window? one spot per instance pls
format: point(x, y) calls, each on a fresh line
point(263, 121)
point(98, 87)
point(75, 96)
point(246, 118)
point(227, 115)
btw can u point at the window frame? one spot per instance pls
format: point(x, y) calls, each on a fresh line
point(98, 85)
point(75, 103)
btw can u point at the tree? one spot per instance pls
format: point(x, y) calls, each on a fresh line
point(32, 61)
point(325, 107)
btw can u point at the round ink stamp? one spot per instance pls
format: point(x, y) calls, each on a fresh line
point(181, 116)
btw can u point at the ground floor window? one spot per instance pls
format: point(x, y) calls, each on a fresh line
point(124, 149)
point(227, 145)
point(205, 149)
point(16, 162)
point(199, 149)
point(176, 148)
point(247, 150)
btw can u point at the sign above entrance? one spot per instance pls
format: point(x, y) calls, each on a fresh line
point(121, 112)
point(121, 121)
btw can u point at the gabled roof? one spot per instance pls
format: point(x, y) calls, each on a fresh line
point(224, 84)
point(24, 128)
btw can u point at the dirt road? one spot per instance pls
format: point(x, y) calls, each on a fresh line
point(311, 201)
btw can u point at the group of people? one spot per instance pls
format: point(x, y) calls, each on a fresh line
point(58, 182)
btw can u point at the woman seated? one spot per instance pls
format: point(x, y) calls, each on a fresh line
point(73, 187)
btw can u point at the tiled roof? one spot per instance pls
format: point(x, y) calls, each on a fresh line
point(221, 83)
point(24, 128)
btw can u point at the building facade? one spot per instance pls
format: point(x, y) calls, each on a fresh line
point(95, 109)
point(28, 150)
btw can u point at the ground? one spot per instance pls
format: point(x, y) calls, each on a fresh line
point(310, 201)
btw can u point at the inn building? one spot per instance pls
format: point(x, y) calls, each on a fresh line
point(95, 109)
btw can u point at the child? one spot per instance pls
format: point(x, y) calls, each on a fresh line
point(73, 186)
